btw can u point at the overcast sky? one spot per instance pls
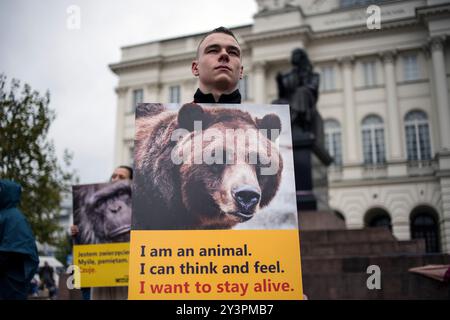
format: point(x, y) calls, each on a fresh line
point(38, 48)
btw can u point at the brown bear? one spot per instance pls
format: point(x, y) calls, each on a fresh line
point(202, 167)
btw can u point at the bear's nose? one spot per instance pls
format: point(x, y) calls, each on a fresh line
point(247, 197)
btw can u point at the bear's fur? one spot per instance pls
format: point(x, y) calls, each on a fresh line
point(170, 195)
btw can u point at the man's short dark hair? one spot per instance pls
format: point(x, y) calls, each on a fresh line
point(216, 30)
point(130, 170)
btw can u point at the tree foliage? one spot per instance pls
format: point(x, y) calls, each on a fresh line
point(28, 157)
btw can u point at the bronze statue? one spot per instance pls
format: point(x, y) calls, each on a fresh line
point(299, 88)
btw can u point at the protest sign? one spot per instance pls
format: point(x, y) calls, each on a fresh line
point(102, 213)
point(214, 204)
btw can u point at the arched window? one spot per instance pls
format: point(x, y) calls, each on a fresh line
point(417, 136)
point(373, 140)
point(378, 217)
point(424, 225)
point(333, 140)
point(351, 3)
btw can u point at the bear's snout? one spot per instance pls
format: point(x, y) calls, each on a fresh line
point(246, 197)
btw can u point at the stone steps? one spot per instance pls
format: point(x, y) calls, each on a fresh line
point(346, 278)
point(335, 262)
point(311, 249)
point(395, 263)
point(346, 236)
point(401, 286)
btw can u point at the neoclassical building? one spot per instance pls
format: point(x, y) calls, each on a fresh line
point(384, 97)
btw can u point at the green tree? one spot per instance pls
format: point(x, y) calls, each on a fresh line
point(28, 157)
point(63, 248)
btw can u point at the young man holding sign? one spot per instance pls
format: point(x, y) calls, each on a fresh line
point(190, 238)
point(218, 66)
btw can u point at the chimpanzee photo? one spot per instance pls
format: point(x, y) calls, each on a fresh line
point(103, 212)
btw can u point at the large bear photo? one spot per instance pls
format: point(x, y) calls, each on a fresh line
point(213, 167)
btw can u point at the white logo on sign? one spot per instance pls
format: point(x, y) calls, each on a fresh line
point(374, 18)
point(74, 18)
point(374, 281)
point(73, 281)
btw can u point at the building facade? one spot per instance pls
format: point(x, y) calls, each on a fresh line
point(384, 97)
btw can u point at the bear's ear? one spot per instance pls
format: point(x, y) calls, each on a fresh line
point(269, 122)
point(189, 113)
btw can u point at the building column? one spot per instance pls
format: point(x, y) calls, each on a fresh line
point(400, 224)
point(122, 94)
point(444, 222)
point(393, 119)
point(354, 220)
point(259, 82)
point(441, 87)
point(351, 134)
point(443, 154)
point(152, 94)
point(188, 90)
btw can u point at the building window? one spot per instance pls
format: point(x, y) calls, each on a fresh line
point(417, 136)
point(131, 151)
point(352, 3)
point(327, 82)
point(381, 221)
point(424, 225)
point(410, 67)
point(333, 141)
point(243, 88)
point(370, 76)
point(377, 217)
point(373, 140)
point(174, 94)
point(138, 97)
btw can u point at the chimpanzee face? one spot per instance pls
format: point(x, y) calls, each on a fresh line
point(106, 215)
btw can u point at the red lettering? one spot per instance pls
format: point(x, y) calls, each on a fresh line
point(268, 286)
point(157, 288)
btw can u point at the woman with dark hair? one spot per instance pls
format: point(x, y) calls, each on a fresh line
point(122, 173)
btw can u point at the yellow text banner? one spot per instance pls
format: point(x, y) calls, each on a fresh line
point(102, 265)
point(215, 265)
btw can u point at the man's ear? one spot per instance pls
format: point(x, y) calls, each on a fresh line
point(241, 73)
point(188, 114)
point(194, 68)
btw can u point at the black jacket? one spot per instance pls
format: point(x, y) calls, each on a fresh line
point(233, 98)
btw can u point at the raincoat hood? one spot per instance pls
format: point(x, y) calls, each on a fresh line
point(16, 237)
point(9, 194)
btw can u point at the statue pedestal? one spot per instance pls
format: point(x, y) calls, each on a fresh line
point(310, 162)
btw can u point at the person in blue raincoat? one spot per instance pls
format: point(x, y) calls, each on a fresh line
point(19, 258)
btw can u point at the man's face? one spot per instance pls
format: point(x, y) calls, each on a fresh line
point(218, 64)
point(120, 174)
